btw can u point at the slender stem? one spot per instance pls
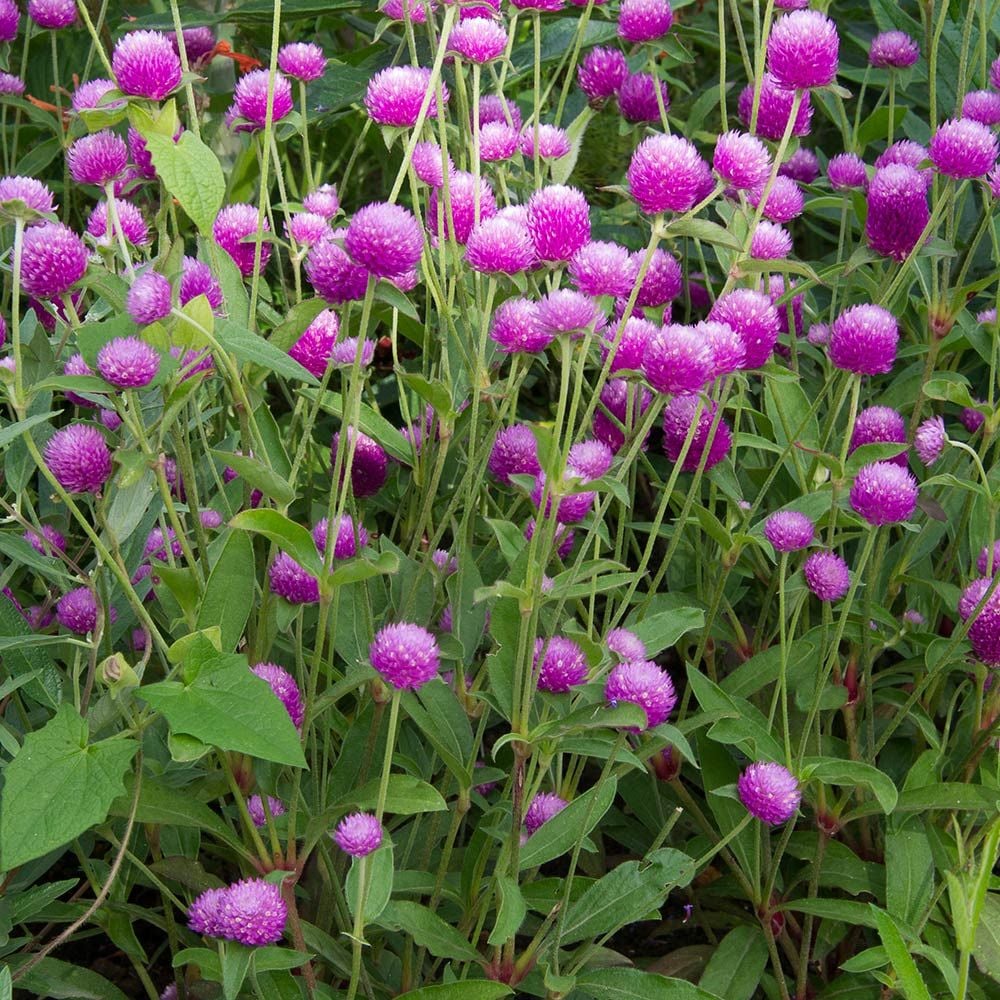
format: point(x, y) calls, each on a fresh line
point(193, 123)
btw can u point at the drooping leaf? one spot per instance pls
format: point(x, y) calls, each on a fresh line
point(289, 536)
point(229, 594)
point(191, 172)
point(428, 930)
point(735, 967)
point(634, 984)
point(251, 349)
point(562, 831)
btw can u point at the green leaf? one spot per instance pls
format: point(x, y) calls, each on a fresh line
point(6, 985)
point(289, 536)
point(735, 968)
point(229, 707)
point(436, 711)
point(25, 904)
point(563, 167)
point(634, 984)
point(354, 570)
point(909, 982)
point(235, 966)
point(251, 349)
point(229, 594)
point(987, 948)
point(661, 631)
point(259, 476)
point(428, 931)
point(844, 910)
point(191, 172)
point(708, 232)
point(596, 716)
point(60, 980)
point(371, 423)
point(849, 773)
point(572, 824)
point(432, 391)
point(511, 913)
point(477, 989)
point(909, 874)
point(58, 786)
point(406, 796)
point(949, 795)
point(11, 432)
point(379, 867)
point(45, 685)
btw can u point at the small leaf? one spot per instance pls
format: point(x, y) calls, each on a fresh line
point(572, 824)
point(848, 773)
point(251, 349)
point(735, 968)
point(229, 594)
point(428, 931)
point(379, 868)
point(477, 989)
point(511, 913)
point(289, 536)
point(634, 984)
point(910, 982)
point(259, 476)
point(191, 172)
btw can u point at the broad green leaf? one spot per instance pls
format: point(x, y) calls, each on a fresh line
point(431, 391)
point(235, 960)
point(229, 707)
point(371, 423)
point(708, 232)
point(987, 949)
point(6, 985)
point(25, 904)
point(477, 989)
point(735, 967)
point(909, 873)
point(949, 795)
point(52, 977)
point(251, 349)
point(848, 773)
point(45, 685)
point(435, 709)
point(909, 982)
point(379, 869)
point(229, 594)
point(572, 824)
point(355, 570)
point(22, 553)
point(289, 536)
point(844, 910)
point(511, 912)
point(634, 984)
point(11, 432)
point(597, 716)
point(661, 631)
point(58, 786)
point(191, 172)
point(406, 796)
point(259, 476)
point(563, 167)
point(428, 931)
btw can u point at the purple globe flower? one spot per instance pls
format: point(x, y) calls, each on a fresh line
point(514, 452)
point(631, 346)
point(53, 259)
point(369, 466)
point(728, 350)
point(625, 645)
point(462, 195)
point(282, 683)
point(478, 40)
point(197, 279)
point(774, 110)
point(146, 65)
point(984, 632)
point(10, 84)
point(662, 280)
point(930, 440)
point(543, 807)
point(334, 275)
point(988, 562)
point(741, 160)
point(255, 807)
point(884, 493)
point(995, 73)
point(406, 655)
point(344, 352)
point(644, 20)
point(789, 530)
point(863, 340)
point(553, 143)
point(149, 298)
point(677, 360)
point(79, 459)
point(549, 6)
point(350, 539)
point(253, 913)
point(573, 507)
point(133, 225)
point(9, 18)
point(770, 241)
point(231, 230)
point(909, 154)
point(982, 106)
point(568, 311)
point(414, 11)
point(897, 211)
point(33, 193)
point(499, 246)
point(323, 201)
point(52, 14)
point(498, 141)
point(893, 50)
point(494, 108)
point(667, 174)
point(563, 664)
point(558, 221)
point(645, 684)
point(563, 539)
point(846, 171)
point(98, 158)
point(589, 460)
point(801, 166)
point(826, 575)
point(785, 200)
point(678, 416)
point(971, 419)
point(358, 834)
point(75, 365)
point(395, 95)
point(880, 425)
point(302, 60)
point(963, 148)
point(753, 316)
point(250, 97)
point(290, 581)
point(313, 348)
point(601, 72)
point(517, 328)
point(78, 611)
point(770, 792)
point(599, 268)
point(128, 363)
point(307, 229)
point(50, 541)
point(385, 239)
point(637, 98)
point(204, 914)
point(802, 50)
point(198, 43)
point(427, 165)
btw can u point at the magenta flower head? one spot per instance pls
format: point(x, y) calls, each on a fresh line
point(553, 143)
point(802, 50)
point(599, 268)
point(395, 95)
point(334, 275)
point(313, 348)
point(250, 97)
point(563, 664)
point(637, 98)
point(385, 239)
point(282, 683)
point(307, 229)
point(785, 200)
point(801, 166)
point(414, 11)
point(645, 684)
point(752, 315)
point(133, 225)
point(789, 530)
point(478, 40)
point(826, 575)
point(498, 141)
point(253, 913)
point(971, 419)
point(863, 340)
point(78, 611)
point(9, 18)
point(589, 460)
point(729, 353)
point(667, 174)
point(741, 160)
point(774, 110)
point(677, 359)
point(558, 221)
point(204, 914)
point(514, 452)
point(301, 60)
point(290, 581)
point(988, 562)
point(52, 14)
point(929, 441)
point(50, 541)
point(543, 807)
point(770, 241)
point(569, 311)
point(345, 351)
point(963, 148)
point(146, 65)
point(499, 246)
point(846, 171)
point(53, 259)
point(462, 192)
point(678, 416)
point(369, 466)
point(75, 365)
point(98, 158)
point(893, 50)
point(128, 363)
point(197, 279)
point(600, 73)
point(880, 425)
point(909, 154)
point(198, 43)
point(644, 20)
point(884, 493)
point(897, 211)
point(10, 84)
point(995, 73)
point(540, 5)
point(323, 201)
point(662, 281)
point(625, 645)
point(982, 106)
point(350, 537)
point(33, 193)
point(493, 108)
point(427, 164)
point(255, 807)
point(79, 458)
point(984, 632)
point(149, 298)
point(406, 655)
point(770, 792)
point(358, 834)
point(231, 230)
point(631, 346)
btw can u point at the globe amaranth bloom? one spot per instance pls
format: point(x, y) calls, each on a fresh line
point(907, 153)
point(863, 340)
point(754, 318)
point(667, 174)
point(253, 913)
point(589, 460)
point(53, 259)
point(351, 537)
point(625, 644)
point(10, 84)
point(345, 351)
point(133, 225)
point(78, 611)
point(395, 95)
point(558, 221)
point(52, 14)
point(290, 581)
point(198, 43)
point(313, 348)
point(645, 684)
point(628, 342)
point(963, 148)
point(644, 20)
point(559, 664)
point(333, 274)
point(369, 466)
point(204, 913)
point(79, 458)
point(826, 575)
point(307, 229)
point(543, 807)
point(358, 834)
point(770, 241)
point(497, 141)
point(255, 807)
point(893, 50)
point(302, 60)
point(982, 106)
point(49, 540)
point(728, 350)
point(897, 211)
point(774, 109)
point(770, 792)
point(637, 100)
point(282, 683)
point(553, 143)
point(789, 530)
point(514, 452)
point(741, 160)
point(233, 227)
point(662, 281)
point(427, 163)
point(677, 360)
point(128, 363)
point(385, 239)
point(9, 18)
point(146, 65)
point(802, 50)
point(879, 425)
point(479, 40)
point(149, 298)
point(197, 279)
point(323, 201)
point(678, 417)
point(414, 11)
point(98, 158)
point(884, 493)
point(405, 655)
point(494, 108)
point(549, 6)
point(250, 97)
point(988, 561)
point(33, 193)
point(801, 166)
point(600, 268)
point(930, 439)
point(499, 246)
point(601, 72)
point(984, 632)
point(569, 311)
point(846, 171)
point(785, 200)
point(456, 214)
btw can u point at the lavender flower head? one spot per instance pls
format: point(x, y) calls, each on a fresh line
point(662, 281)
point(146, 65)
point(863, 340)
point(826, 575)
point(350, 537)
point(290, 581)
point(563, 664)
point(395, 95)
point(770, 792)
point(785, 200)
point(741, 160)
point(514, 452)
point(884, 493)
point(632, 339)
point(558, 221)
point(897, 211)
point(78, 610)
point(52, 14)
point(727, 347)
point(358, 834)
point(601, 72)
point(982, 106)
point(250, 97)
point(667, 174)
point(9, 18)
point(426, 162)
point(307, 229)
point(801, 166)
point(543, 807)
point(282, 683)
point(204, 914)
point(414, 11)
point(33, 193)
point(589, 460)
point(406, 655)
point(313, 348)
point(846, 171)
point(334, 275)
point(802, 50)
point(149, 298)
point(930, 440)
point(626, 645)
point(677, 360)
point(600, 268)
point(879, 425)
point(79, 458)
point(53, 259)
point(712, 447)
point(369, 466)
point(753, 316)
point(231, 229)
point(553, 143)
point(462, 187)
point(302, 60)
point(197, 279)
point(984, 632)
point(637, 99)
point(499, 246)
point(478, 40)
point(893, 50)
point(645, 684)
point(988, 561)
point(789, 530)
point(198, 43)
point(10, 84)
point(644, 20)
point(568, 311)
point(995, 73)
point(98, 158)
point(255, 807)
point(253, 913)
point(909, 154)
point(133, 225)
point(345, 351)
point(963, 148)
point(774, 109)
point(493, 108)
point(128, 363)
point(49, 540)
point(323, 201)
point(385, 239)
point(770, 241)
point(615, 400)
point(498, 141)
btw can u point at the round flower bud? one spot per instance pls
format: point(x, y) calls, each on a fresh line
point(662, 280)
point(314, 347)
point(801, 166)
point(385, 239)
point(893, 50)
point(405, 654)
point(625, 645)
point(645, 684)
point(197, 279)
point(802, 50)
point(741, 160)
point(568, 311)
point(78, 611)
point(79, 458)
point(290, 581)
point(146, 65)
point(350, 539)
point(33, 193)
point(517, 328)
point(637, 99)
point(988, 562)
point(770, 241)
point(543, 807)
point(982, 106)
point(231, 229)
point(53, 259)
point(770, 792)
point(863, 340)
point(149, 298)
point(358, 834)
point(302, 60)
point(558, 221)
point(753, 316)
point(323, 201)
point(884, 493)
point(677, 360)
point(667, 174)
point(846, 171)
point(282, 683)
point(563, 664)
point(678, 415)
point(369, 467)
point(930, 439)
point(50, 541)
point(497, 141)
point(52, 14)
point(133, 225)
point(785, 200)
point(601, 72)
point(644, 20)
point(98, 158)
point(774, 110)
point(478, 40)
point(615, 400)
point(334, 275)
point(204, 914)
point(984, 632)
point(250, 97)
point(514, 452)
point(395, 95)
point(826, 575)
point(599, 268)
point(255, 807)
point(128, 363)
point(789, 530)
